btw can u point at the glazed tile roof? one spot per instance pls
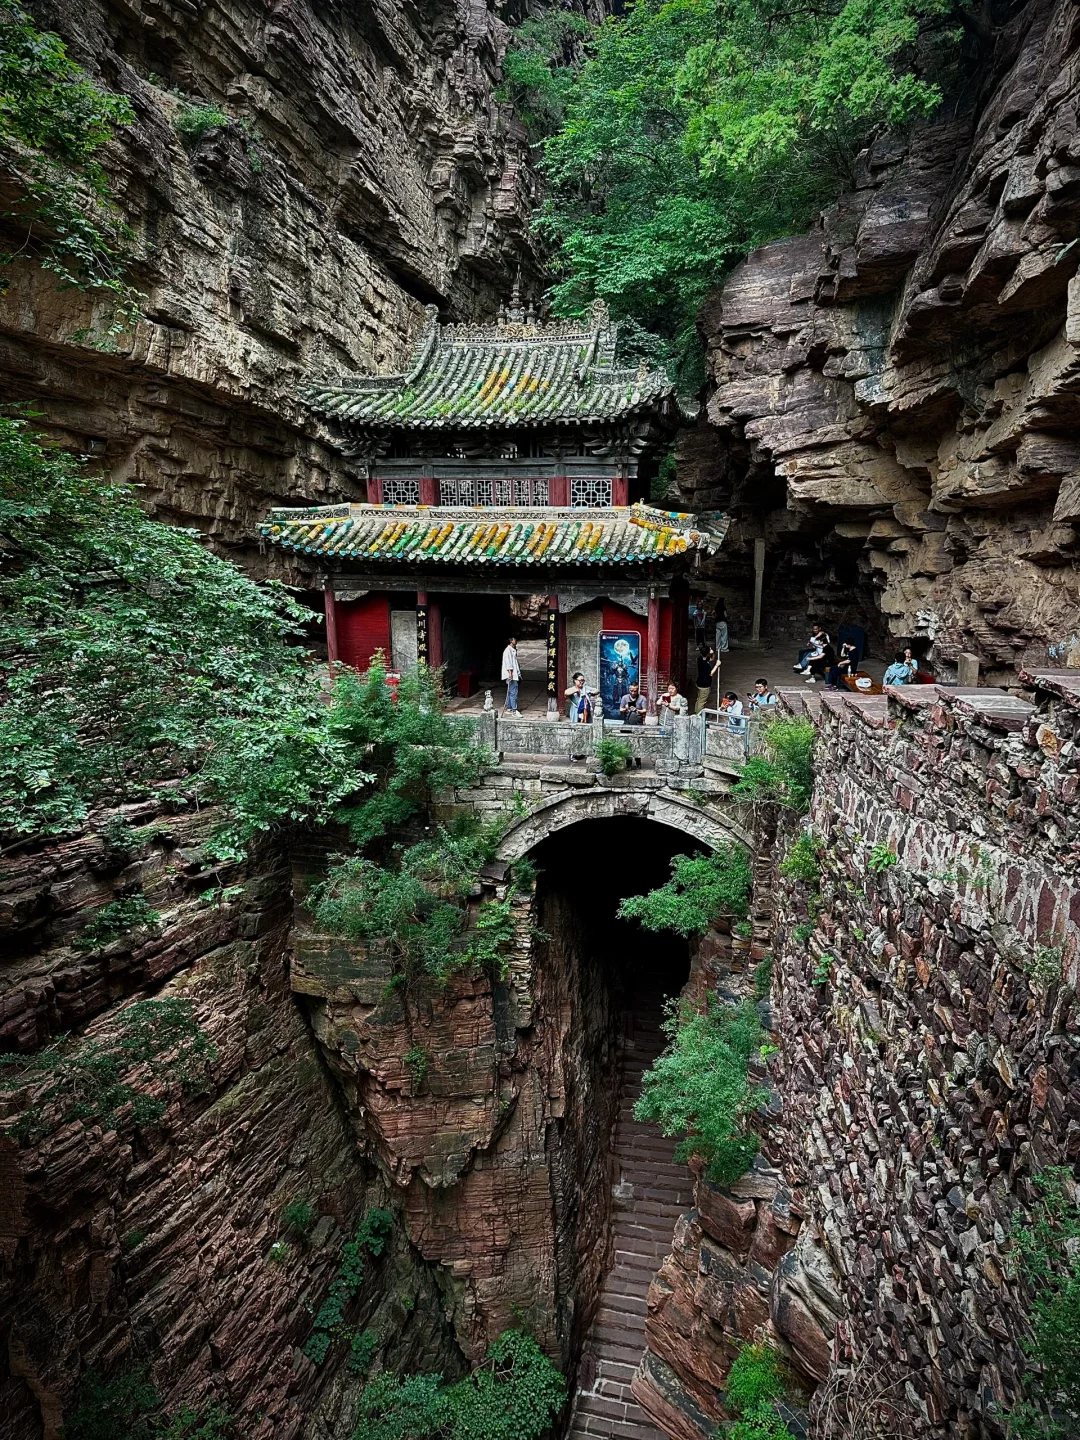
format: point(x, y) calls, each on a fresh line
point(413, 534)
point(515, 373)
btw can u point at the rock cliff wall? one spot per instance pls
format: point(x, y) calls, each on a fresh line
point(125, 1247)
point(366, 170)
point(893, 397)
point(926, 1019)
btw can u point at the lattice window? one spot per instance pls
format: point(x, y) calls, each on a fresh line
point(593, 494)
point(401, 492)
point(530, 491)
point(474, 492)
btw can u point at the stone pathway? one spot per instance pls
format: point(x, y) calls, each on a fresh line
point(655, 1192)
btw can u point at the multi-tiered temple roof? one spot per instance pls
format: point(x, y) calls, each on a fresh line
point(514, 373)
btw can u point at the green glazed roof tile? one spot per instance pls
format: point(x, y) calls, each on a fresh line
point(489, 536)
point(507, 374)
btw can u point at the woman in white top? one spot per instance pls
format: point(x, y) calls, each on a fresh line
point(511, 673)
point(672, 703)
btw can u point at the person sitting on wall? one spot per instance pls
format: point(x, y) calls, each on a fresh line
point(732, 708)
point(672, 703)
point(903, 669)
point(761, 698)
point(707, 666)
point(579, 705)
point(818, 639)
point(819, 667)
point(511, 673)
point(632, 708)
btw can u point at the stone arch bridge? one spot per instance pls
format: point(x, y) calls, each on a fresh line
point(684, 780)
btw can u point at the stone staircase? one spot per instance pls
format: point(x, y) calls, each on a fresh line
point(651, 1192)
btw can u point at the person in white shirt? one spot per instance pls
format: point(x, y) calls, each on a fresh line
point(762, 698)
point(731, 707)
point(511, 673)
point(672, 703)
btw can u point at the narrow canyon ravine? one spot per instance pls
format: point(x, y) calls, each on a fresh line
point(650, 1193)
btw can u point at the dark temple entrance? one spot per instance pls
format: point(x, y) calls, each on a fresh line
point(615, 978)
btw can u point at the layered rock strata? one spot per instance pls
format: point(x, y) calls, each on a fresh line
point(893, 397)
point(365, 170)
point(164, 1245)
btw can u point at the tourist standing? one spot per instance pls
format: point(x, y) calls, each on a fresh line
point(511, 673)
point(672, 703)
point(902, 670)
point(707, 667)
point(698, 619)
point(632, 710)
point(721, 628)
point(579, 706)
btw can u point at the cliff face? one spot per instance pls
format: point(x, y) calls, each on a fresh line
point(164, 1245)
point(366, 170)
point(893, 396)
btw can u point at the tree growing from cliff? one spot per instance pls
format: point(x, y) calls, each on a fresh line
point(698, 129)
point(54, 122)
point(702, 888)
point(785, 774)
point(699, 1088)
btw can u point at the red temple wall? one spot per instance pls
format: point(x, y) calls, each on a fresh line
point(363, 626)
point(617, 617)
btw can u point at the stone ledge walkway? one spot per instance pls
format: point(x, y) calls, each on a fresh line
point(654, 1193)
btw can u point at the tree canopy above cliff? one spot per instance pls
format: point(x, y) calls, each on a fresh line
point(684, 132)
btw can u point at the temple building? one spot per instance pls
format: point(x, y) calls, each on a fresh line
point(509, 460)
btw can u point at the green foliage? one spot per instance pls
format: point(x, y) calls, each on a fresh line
point(1048, 1260)
point(755, 1382)
point(133, 1239)
point(698, 129)
point(612, 755)
point(701, 889)
point(538, 69)
point(763, 980)
point(130, 657)
point(115, 920)
point(515, 1394)
point(822, 970)
point(411, 746)
point(699, 1089)
point(362, 1351)
point(882, 858)
point(786, 775)
point(53, 123)
point(89, 1082)
point(801, 861)
point(125, 1407)
point(279, 1252)
point(801, 933)
point(417, 907)
point(415, 1061)
point(195, 121)
point(298, 1216)
point(328, 1325)
point(744, 930)
point(1043, 968)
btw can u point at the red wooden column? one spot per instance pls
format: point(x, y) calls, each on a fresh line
point(374, 491)
point(559, 490)
point(620, 490)
point(652, 667)
point(429, 490)
point(330, 607)
point(434, 630)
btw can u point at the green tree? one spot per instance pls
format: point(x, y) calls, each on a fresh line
point(701, 889)
point(785, 775)
point(131, 657)
point(699, 1087)
point(696, 129)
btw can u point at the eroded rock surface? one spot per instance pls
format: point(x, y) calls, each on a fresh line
point(893, 397)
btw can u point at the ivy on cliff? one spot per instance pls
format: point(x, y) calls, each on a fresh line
point(54, 122)
point(1047, 1259)
point(690, 131)
point(155, 1042)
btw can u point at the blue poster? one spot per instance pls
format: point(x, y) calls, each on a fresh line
point(620, 667)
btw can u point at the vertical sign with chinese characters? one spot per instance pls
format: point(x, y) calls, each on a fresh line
point(553, 652)
point(421, 635)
